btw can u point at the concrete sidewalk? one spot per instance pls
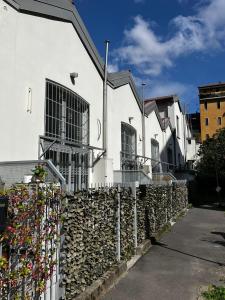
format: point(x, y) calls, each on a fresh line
point(190, 256)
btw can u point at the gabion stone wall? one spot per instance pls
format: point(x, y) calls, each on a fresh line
point(141, 216)
point(88, 250)
point(90, 228)
point(161, 204)
point(127, 224)
point(180, 197)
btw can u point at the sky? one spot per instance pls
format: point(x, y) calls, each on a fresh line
point(173, 46)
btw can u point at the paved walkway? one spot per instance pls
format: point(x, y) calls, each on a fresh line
point(190, 256)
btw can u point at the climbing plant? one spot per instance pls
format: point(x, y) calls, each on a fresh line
point(30, 241)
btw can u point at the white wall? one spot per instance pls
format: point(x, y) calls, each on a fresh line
point(191, 149)
point(180, 141)
point(154, 131)
point(38, 48)
point(35, 49)
point(122, 104)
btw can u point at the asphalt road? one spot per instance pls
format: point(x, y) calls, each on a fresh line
point(190, 256)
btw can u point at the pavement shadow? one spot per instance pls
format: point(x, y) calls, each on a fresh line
point(162, 245)
point(218, 242)
point(211, 206)
point(222, 234)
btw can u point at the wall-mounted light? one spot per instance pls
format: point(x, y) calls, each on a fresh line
point(73, 76)
point(29, 101)
point(130, 119)
point(155, 135)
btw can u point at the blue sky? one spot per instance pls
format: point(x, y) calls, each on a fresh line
point(172, 45)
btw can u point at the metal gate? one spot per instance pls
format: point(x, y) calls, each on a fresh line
point(72, 163)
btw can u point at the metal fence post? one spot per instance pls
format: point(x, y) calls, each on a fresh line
point(118, 225)
point(134, 187)
point(154, 220)
point(171, 200)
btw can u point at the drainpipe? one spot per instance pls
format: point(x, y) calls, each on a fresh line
point(143, 121)
point(105, 107)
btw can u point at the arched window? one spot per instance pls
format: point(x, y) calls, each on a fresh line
point(155, 156)
point(67, 134)
point(129, 146)
point(67, 114)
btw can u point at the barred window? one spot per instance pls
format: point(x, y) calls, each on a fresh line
point(67, 114)
point(155, 156)
point(128, 137)
point(128, 151)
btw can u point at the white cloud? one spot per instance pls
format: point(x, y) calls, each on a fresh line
point(160, 88)
point(113, 68)
point(164, 87)
point(150, 54)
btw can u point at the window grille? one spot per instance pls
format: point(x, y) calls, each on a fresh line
point(67, 114)
point(129, 142)
point(155, 156)
point(67, 120)
point(178, 127)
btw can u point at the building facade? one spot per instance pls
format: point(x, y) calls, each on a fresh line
point(212, 108)
point(170, 110)
point(59, 105)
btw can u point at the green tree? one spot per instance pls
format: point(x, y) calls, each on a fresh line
point(212, 156)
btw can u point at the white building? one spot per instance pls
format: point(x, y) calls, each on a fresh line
point(170, 109)
point(53, 105)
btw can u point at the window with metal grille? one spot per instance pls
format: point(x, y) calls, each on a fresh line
point(178, 127)
point(155, 156)
point(129, 142)
point(67, 121)
point(67, 114)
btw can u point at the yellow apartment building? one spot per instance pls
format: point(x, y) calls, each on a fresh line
point(212, 108)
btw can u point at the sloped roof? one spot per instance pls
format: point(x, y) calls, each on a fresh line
point(163, 99)
point(63, 10)
point(151, 106)
point(119, 79)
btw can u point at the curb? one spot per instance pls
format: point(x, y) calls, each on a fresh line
point(110, 278)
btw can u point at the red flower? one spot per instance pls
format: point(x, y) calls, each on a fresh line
point(11, 229)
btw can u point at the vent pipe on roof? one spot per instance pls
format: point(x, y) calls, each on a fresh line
point(105, 108)
point(143, 121)
point(105, 111)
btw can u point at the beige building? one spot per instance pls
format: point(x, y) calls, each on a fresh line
point(212, 108)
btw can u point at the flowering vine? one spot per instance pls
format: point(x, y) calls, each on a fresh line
point(30, 241)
